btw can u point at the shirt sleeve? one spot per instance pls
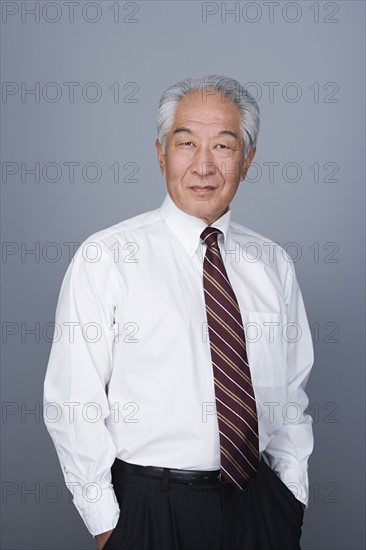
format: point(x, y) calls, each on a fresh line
point(78, 372)
point(290, 447)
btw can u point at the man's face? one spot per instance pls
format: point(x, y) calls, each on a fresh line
point(203, 161)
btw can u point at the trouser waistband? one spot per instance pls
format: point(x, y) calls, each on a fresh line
point(188, 477)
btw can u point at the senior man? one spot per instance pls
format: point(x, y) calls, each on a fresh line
point(180, 387)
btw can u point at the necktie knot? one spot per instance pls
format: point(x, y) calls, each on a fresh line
point(209, 235)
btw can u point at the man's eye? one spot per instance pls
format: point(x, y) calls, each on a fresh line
point(188, 143)
point(222, 146)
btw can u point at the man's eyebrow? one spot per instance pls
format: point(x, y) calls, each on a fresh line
point(228, 133)
point(182, 129)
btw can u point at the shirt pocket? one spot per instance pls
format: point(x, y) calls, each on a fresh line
point(266, 348)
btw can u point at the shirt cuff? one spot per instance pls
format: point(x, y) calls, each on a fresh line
point(98, 508)
point(297, 481)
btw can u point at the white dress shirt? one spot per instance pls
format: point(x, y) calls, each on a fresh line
point(130, 372)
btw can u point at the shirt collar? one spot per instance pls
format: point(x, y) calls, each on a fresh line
point(189, 228)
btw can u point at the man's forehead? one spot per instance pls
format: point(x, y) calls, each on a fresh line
point(218, 128)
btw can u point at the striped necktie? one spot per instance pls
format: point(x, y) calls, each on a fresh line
point(235, 401)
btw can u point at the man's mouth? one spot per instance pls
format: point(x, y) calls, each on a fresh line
point(202, 189)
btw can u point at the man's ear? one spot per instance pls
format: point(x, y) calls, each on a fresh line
point(247, 163)
point(161, 156)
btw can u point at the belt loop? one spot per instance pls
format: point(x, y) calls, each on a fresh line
point(164, 483)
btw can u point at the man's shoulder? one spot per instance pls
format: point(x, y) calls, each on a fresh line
point(128, 226)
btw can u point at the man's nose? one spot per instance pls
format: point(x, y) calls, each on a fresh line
point(204, 162)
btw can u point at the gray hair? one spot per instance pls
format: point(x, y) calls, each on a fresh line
point(228, 88)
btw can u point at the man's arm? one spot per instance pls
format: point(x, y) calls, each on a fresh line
point(289, 450)
point(79, 369)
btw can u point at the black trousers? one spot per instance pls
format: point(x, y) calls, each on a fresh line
point(158, 514)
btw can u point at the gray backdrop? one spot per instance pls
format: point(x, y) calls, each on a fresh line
point(78, 155)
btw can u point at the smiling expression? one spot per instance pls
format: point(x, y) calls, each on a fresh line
point(204, 161)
